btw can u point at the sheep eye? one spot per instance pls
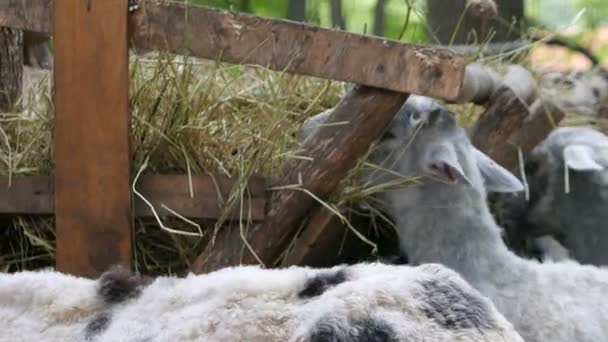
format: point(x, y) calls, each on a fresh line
point(415, 118)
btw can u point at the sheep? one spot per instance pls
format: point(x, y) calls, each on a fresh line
point(445, 219)
point(362, 302)
point(569, 206)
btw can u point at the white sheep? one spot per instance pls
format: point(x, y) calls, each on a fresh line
point(365, 302)
point(445, 219)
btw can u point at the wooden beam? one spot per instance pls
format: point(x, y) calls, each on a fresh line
point(93, 210)
point(27, 196)
point(35, 196)
point(277, 44)
point(334, 150)
point(543, 118)
point(503, 116)
point(27, 15)
point(322, 234)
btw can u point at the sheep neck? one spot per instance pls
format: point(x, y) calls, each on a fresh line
point(464, 238)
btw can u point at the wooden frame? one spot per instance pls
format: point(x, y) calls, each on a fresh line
point(388, 71)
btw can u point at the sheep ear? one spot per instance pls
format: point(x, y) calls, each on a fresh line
point(445, 167)
point(582, 158)
point(496, 178)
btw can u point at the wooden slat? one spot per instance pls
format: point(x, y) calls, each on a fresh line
point(93, 210)
point(27, 196)
point(543, 118)
point(322, 234)
point(209, 195)
point(502, 117)
point(29, 15)
point(333, 151)
point(276, 44)
point(35, 196)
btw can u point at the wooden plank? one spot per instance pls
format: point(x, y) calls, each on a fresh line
point(321, 235)
point(27, 196)
point(503, 116)
point(543, 118)
point(277, 44)
point(28, 15)
point(35, 196)
point(93, 210)
point(334, 150)
point(210, 194)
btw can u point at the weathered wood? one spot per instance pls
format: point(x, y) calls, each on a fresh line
point(298, 48)
point(334, 150)
point(11, 67)
point(210, 196)
point(93, 210)
point(27, 15)
point(503, 116)
point(277, 44)
point(27, 196)
point(543, 118)
point(35, 196)
point(321, 235)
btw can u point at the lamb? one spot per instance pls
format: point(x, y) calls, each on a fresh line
point(364, 302)
point(445, 219)
point(576, 214)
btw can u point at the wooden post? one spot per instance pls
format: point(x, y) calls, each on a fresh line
point(92, 157)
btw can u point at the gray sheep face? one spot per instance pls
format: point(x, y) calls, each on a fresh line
point(424, 141)
point(577, 217)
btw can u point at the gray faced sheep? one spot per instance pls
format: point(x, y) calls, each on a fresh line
point(445, 219)
point(568, 174)
point(365, 302)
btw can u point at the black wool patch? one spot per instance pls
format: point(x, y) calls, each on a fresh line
point(316, 285)
point(98, 325)
point(119, 284)
point(364, 330)
point(452, 307)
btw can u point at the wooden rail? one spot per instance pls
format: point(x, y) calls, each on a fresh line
point(276, 44)
point(35, 196)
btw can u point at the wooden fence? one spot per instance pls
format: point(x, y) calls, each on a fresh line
point(90, 191)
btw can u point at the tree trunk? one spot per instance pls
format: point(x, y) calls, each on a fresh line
point(297, 10)
point(379, 18)
point(443, 17)
point(11, 67)
point(337, 17)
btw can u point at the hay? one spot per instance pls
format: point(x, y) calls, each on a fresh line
point(188, 116)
